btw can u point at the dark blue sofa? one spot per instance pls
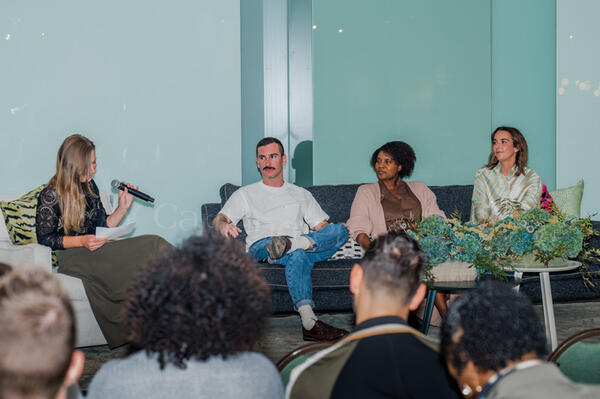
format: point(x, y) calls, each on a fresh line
point(330, 278)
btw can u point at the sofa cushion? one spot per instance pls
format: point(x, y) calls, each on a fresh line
point(72, 286)
point(350, 250)
point(454, 198)
point(4, 237)
point(568, 200)
point(335, 200)
point(19, 216)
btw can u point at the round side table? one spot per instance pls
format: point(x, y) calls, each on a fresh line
point(442, 286)
point(454, 286)
point(547, 303)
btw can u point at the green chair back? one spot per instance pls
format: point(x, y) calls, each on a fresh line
point(296, 357)
point(578, 359)
point(581, 362)
point(287, 370)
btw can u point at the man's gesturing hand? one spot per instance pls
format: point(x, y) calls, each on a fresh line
point(223, 225)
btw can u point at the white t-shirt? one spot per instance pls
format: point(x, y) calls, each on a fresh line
point(268, 211)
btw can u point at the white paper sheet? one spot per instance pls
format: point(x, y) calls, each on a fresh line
point(114, 232)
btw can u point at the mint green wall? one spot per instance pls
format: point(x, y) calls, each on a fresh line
point(578, 100)
point(524, 75)
point(253, 85)
point(156, 85)
point(439, 75)
point(415, 71)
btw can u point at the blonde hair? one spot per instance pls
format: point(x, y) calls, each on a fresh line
point(73, 164)
point(37, 337)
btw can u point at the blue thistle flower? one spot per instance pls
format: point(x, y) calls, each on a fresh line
point(434, 226)
point(466, 248)
point(435, 248)
point(522, 240)
point(533, 216)
point(560, 239)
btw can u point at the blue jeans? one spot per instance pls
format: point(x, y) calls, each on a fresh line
point(298, 264)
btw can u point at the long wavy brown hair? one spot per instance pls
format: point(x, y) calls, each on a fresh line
point(519, 143)
point(73, 165)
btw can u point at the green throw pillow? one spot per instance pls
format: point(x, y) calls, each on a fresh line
point(19, 216)
point(568, 200)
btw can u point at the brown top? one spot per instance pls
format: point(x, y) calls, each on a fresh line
point(366, 214)
point(400, 206)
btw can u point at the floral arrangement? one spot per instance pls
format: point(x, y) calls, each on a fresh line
point(495, 248)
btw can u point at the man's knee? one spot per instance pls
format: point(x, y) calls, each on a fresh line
point(340, 231)
point(297, 255)
point(296, 258)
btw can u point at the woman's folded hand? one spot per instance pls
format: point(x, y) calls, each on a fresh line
point(92, 242)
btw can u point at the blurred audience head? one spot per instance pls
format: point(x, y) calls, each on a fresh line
point(4, 268)
point(390, 273)
point(206, 298)
point(37, 336)
point(486, 330)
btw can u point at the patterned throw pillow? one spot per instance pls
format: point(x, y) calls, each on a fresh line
point(19, 216)
point(546, 201)
point(350, 250)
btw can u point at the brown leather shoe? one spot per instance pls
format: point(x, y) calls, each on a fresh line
point(278, 247)
point(323, 332)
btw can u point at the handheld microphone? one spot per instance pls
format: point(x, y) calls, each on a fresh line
point(117, 185)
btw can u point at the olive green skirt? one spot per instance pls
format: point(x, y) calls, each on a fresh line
point(106, 274)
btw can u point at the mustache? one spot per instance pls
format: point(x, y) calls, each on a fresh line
point(268, 167)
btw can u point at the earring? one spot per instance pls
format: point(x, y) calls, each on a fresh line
point(466, 391)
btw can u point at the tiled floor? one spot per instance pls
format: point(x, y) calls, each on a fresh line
point(284, 333)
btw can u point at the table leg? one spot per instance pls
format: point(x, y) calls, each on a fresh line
point(548, 309)
point(428, 310)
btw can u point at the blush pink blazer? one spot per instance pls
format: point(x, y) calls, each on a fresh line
point(366, 214)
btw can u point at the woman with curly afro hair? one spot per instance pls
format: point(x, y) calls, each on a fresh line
point(382, 207)
point(191, 318)
point(393, 204)
point(492, 342)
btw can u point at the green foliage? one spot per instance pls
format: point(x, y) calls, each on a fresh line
point(494, 249)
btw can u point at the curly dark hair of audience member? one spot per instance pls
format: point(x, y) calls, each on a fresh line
point(395, 263)
point(402, 153)
point(203, 299)
point(490, 326)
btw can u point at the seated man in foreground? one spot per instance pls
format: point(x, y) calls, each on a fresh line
point(37, 337)
point(383, 357)
point(277, 216)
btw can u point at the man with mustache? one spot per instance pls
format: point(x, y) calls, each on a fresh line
point(277, 216)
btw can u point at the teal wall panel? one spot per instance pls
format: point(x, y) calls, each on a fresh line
point(253, 85)
point(524, 75)
point(417, 71)
point(156, 85)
